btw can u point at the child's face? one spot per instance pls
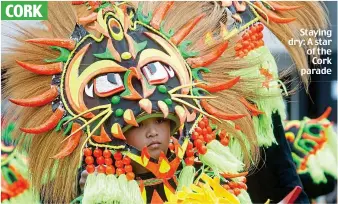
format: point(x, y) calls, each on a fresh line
point(153, 133)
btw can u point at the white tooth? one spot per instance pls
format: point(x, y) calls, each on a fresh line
point(89, 90)
point(170, 71)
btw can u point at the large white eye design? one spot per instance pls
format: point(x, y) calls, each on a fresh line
point(107, 85)
point(157, 73)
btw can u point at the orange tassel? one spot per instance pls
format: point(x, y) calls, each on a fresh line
point(252, 108)
point(278, 7)
point(185, 30)
point(230, 175)
point(209, 58)
point(48, 125)
point(218, 113)
point(39, 100)
point(77, 2)
point(271, 15)
point(216, 87)
point(65, 43)
point(323, 116)
point(43, 69)
point(87, 19)
point(159, 14)
point(71, 144)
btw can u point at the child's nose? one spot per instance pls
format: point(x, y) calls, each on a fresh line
point(152, 132)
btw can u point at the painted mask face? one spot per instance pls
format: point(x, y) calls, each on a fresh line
point(122, 78)
point(134, 71)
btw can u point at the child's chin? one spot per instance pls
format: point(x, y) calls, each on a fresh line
point(155, 153)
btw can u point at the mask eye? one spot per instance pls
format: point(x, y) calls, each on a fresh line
point(108, 85)
point(157, 73)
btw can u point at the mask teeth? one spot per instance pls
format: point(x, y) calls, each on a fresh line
point(164, 108)
point(182, 115)
point(102, 138)
point(190, 116)
point(146, 105)
point(129, 118)
point(117, 131)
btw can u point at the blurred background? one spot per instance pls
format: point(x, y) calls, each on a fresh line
point(322, 93)
point(323, 88)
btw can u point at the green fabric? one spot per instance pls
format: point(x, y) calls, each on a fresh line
point(271, 100)
point(6, 134)
point(102, 188)
point(186, 177)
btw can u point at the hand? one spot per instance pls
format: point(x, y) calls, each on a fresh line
point(83, 179)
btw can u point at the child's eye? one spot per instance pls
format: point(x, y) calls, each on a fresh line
point(160, 120)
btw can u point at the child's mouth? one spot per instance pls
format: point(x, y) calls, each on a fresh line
point(154, 145)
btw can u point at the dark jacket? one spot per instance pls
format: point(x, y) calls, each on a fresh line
point(276, 175)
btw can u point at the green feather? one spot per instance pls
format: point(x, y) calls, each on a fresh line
point(141, 17)
point(182, 47)
point(64, 54)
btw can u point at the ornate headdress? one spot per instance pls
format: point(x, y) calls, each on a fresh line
point(202, 65)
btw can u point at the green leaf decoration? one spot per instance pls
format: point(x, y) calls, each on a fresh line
point(8, 174)
point(69, 125)
point(6, 134)
point(148, 86)
point(126, 92)
point(102, 6)
point(64, 54)
point(105, 55)
point(195, 72)
point(196, 91)
point(141, 17)
point(140, 46)
point(166, 34)
point(182, 47)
